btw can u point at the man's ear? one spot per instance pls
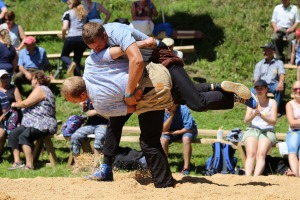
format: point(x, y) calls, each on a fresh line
point(84, 95)
point(105, 37)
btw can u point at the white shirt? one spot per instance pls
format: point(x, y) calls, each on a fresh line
point(285, 17)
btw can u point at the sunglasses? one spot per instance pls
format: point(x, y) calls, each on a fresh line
point(4, 77)
point(7, 19)
point(296, 89)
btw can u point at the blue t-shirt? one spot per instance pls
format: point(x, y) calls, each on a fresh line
point(7, 56)
point(182, 119)
point(37, 61)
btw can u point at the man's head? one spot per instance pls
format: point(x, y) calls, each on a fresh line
point(286, 3)
point(94, 36)
point(30, 43)
point(4, 78)
point(268, 51)
point(74, 89)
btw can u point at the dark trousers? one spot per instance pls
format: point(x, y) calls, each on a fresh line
point(151, 124)
point(76, 45)
point(197, 97)
point(24, 136)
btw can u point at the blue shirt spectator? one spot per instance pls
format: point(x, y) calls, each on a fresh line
point(182, 119)
point(37, 60)
point(179, 125)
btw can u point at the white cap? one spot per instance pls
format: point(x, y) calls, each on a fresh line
point(3, 72)
point(168, 41)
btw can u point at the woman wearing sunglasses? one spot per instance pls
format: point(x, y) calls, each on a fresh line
point(16, 32)
point(260, 136)
point(293, 136)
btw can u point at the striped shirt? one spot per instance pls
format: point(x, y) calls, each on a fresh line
point(5, 105)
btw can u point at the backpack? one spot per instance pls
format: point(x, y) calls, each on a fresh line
point(129, 159)
point(13, 119)
point(222, 160)
point(235, 135)
point(275, 165)
point(73, 123)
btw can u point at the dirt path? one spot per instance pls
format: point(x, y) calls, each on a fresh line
point(128, 186)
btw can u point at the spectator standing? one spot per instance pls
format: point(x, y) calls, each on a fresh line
point(73, 21)
point(293, 136)
point(260, 136)
point(31, 59)
point(38, 120)
point(3, 9)
point(95, 124)
point(8, 55)
point(272, 71)
point(295, 54)
point(94, 9)
point(142, 13)
point(285, 20)
point(16, 31)
point(179, 125)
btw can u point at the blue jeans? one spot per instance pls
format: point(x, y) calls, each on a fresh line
point(173, 138)
point(81, 135)
point(293, 142)
point(278, 95)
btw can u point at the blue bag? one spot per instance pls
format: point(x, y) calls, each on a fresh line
point(222, 160)
point(73, 123)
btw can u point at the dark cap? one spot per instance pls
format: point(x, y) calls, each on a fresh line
point(268, 46)
point(260, 83)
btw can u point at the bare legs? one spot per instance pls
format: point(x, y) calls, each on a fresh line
point(294, 164)
point(187, 150)
point(256, 150)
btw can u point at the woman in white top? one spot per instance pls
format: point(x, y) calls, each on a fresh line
point(293, 136)
point(260, 136)
point(16, 32)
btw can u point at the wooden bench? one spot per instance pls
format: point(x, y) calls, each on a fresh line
point(290, 66)
point(42, 33)
point(49, 147)
point(127, 130)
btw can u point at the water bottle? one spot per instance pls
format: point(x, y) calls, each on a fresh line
point(220, 133)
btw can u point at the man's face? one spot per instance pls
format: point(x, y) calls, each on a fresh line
point(268, 53)
point(98, 44)
point(30, 47)
point(285, 3)
point(83, 97)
